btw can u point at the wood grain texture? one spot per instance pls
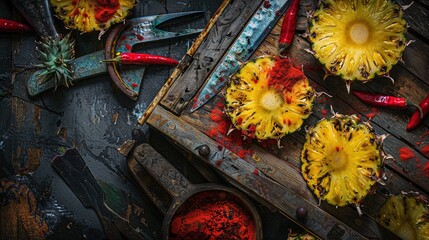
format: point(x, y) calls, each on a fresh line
point(282, 166)
point(217, 41)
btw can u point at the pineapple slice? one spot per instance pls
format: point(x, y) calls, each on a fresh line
point(358, 40)
point(406, 215)
point(268, 98)
point(342, 159)
point(91, 15)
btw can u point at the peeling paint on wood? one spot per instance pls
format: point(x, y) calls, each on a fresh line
point(18, 216)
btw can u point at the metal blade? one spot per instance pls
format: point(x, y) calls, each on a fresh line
point(252, 35)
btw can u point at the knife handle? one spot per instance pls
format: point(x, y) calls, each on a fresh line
point(72, 168)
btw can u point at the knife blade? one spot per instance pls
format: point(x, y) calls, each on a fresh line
point(243, 47)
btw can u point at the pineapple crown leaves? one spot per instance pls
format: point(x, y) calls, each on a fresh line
point(55, 55)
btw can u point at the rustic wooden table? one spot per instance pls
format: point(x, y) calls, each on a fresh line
point(95, 119)
point(272, 175)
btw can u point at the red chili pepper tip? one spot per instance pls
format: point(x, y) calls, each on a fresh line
point(418, 116)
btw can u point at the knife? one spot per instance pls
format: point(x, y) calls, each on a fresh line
point(261, 23)
point(73, 169)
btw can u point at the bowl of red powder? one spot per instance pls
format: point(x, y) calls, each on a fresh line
point(198, 211)
point(214, 214)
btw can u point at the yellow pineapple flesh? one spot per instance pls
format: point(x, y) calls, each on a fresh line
point(342, 159)
point(91, 15)
point(268, 98)
point(358, 39)
point(406, 215)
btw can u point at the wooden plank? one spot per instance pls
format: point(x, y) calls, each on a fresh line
point(282, 164)
point(258, 186)
point(417, 17)
point(210, 51)
point(184, 63)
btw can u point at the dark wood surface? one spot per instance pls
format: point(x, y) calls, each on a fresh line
point(281, 182)
point(95, 119)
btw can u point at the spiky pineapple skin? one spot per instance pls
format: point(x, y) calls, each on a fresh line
point(406, 215)
point(342, 159)
point(55, 54)
point(356, 57)
point(81, 14)
point(262, 109)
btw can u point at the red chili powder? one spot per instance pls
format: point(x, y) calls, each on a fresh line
point(425, 150)
point(219, 132)
point(406, 153)
point(284, 75)
point(426, 169)
point(105, 10)
point(213, 215)
point(324, 113)
point(373, 113)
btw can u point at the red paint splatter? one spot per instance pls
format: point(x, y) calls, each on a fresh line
point(134, 85)
point(128, 47)
point(140, 37)
point(406, 153)
point(256, 171)
point(267, 4)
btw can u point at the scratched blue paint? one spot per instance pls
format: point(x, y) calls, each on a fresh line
point(252, 35)
point(142, 30)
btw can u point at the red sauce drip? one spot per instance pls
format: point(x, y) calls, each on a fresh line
point(105, 10)
point(212, 215)
point(406, 153)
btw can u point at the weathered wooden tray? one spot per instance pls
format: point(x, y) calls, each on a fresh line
point(272, 175)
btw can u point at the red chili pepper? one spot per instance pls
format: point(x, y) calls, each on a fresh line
point(288, 26)
point(417, 117)
point(142, 58)
point(378, 100)
point(12, 26)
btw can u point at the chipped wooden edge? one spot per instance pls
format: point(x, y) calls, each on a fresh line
point(183, 63)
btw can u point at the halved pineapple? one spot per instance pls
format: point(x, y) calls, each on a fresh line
point(91, 15)
point(342, 159)
point(268, 98)
point(406, 215)
point(358, 39)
